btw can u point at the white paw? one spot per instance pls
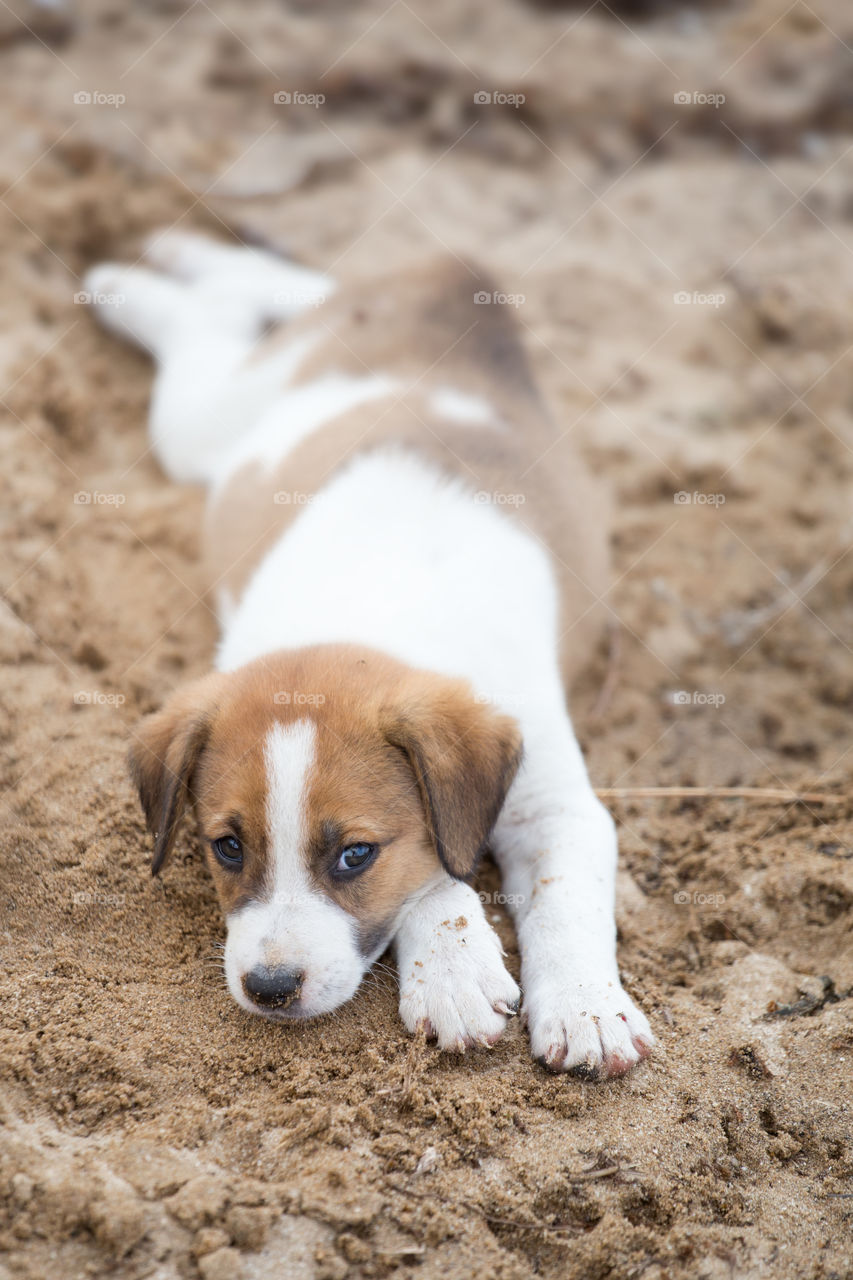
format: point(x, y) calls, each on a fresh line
point(455, 987)
point(135, 303)
point(592, 1030)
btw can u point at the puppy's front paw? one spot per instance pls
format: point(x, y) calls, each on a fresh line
point(592, 1030)
point(455, 986)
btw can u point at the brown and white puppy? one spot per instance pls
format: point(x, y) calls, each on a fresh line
point(408, 555)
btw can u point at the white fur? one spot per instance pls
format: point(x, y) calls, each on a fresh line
point(262, 285)
point(453, 983)
point(461, 406)
point(423, 571)
point(552, 828)
point(296, 414)
point(205, 395)
point(385, 529)
point(289, 755)
point(294, 927)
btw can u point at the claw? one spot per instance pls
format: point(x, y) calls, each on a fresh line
point(555, 1057)
point(618, 1066)
point(643, 1047)
point(585, 1071)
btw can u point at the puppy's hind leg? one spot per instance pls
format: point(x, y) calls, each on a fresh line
point(265, 285)
point(199, 353)
point(140, 306)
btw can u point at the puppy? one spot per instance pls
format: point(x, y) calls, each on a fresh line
point(407, 556)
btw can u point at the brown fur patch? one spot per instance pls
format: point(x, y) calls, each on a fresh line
point(424, 328)
point(464, 757)
point(164, 755)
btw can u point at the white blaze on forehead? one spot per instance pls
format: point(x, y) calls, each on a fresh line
point(294, 924)
point(289, 754)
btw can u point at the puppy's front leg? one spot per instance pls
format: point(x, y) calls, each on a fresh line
point(452, 977)
point(556, 845)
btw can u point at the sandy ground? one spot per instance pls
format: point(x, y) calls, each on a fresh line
point(148, 1128)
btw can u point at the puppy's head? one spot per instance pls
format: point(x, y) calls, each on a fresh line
point(331, 786)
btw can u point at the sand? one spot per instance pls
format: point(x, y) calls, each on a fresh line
point(149, 1128)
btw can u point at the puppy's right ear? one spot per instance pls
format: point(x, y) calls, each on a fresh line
point(165, 751)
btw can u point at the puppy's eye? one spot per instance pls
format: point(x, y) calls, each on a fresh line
point(229, 851)
point(355, 858)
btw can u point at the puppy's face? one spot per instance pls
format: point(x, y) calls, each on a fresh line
point(331, 786)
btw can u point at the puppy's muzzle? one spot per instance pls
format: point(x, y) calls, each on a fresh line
point(273, 988)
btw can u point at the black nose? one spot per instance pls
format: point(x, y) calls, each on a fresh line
point(273, 988)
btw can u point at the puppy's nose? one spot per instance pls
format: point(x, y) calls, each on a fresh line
point(273, 988)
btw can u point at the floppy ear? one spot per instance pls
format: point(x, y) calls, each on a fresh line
point(164, 753)
point(464, 757)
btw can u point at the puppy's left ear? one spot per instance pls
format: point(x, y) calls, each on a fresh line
point(164, 754)
point(464, 757)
